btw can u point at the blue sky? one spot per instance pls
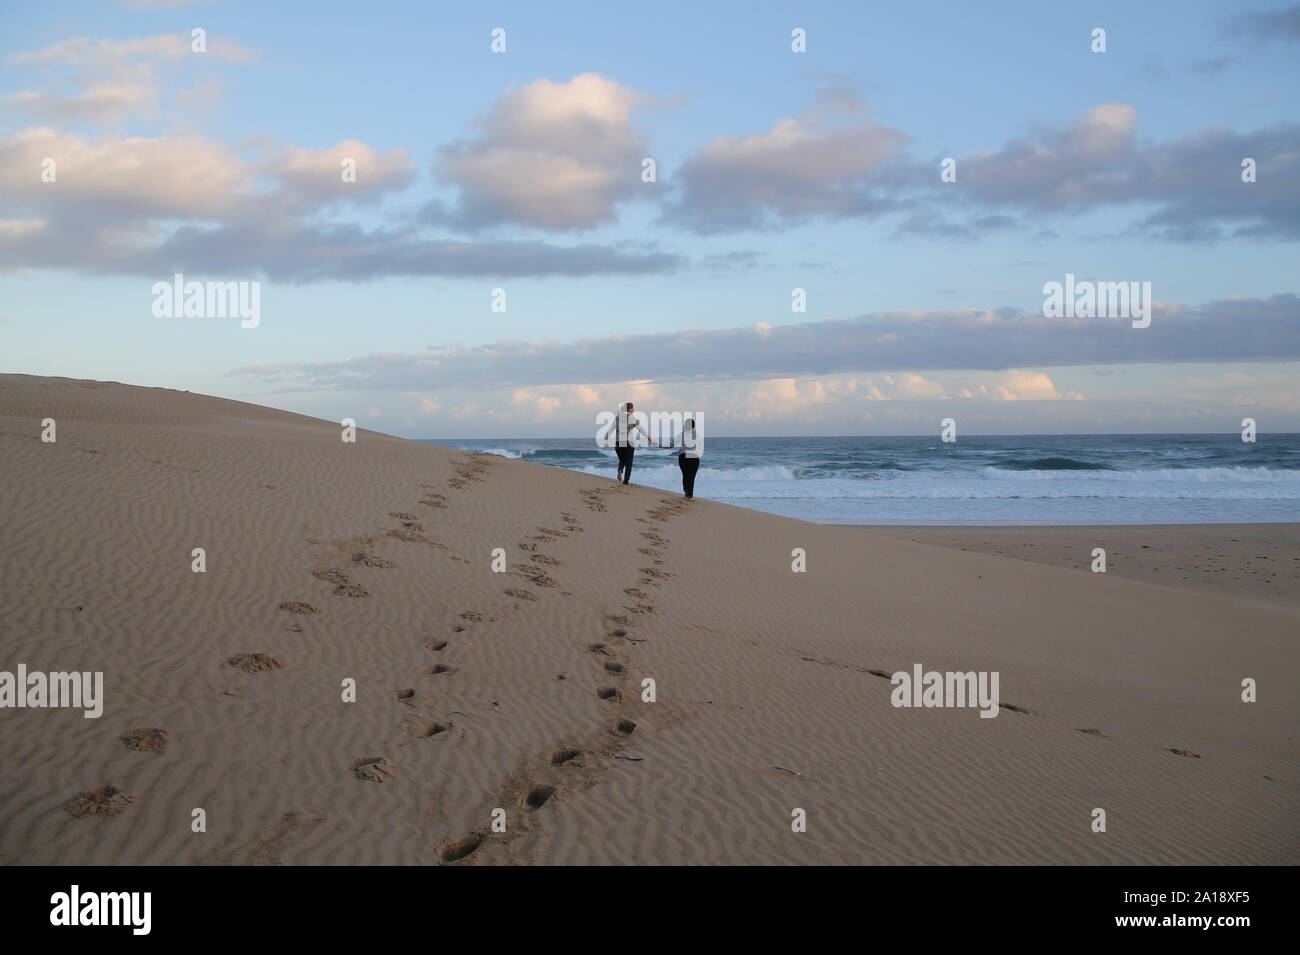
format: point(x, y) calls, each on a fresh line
point(776, 170)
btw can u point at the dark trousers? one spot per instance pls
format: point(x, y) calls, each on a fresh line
point(625, 454)
point(690, 466)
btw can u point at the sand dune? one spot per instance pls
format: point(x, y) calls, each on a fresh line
point(522, 690)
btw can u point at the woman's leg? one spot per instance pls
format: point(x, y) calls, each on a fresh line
point(690, 468)
point(686, 481)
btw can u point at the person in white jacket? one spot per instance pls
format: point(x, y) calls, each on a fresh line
point(688, 458)
point(623, 425)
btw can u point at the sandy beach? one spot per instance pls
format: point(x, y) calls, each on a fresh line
point(370, 565)
point(1256, 563)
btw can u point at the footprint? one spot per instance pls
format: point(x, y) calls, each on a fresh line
point(297, 606)
point(375, 769)
point(562, 755)
point(404, 515)
point(106, 800)
point(1183, 752)
point(434, 731)
point(441, 668)
point(146, 740)
point(408, 535)
point(598, 647)
point(351, 590)
point(536, 797)
point(608, 693)
point(455, 851)
point(1090, 731)
point(474, 616)
point(404, 696)
point(331, 575)
point(1013, 708)
point(520, 594)
point(614, 667)
point(253, 662)
point(544, 559)
point(438, 645)
point(636, 592)
point(618, 633)
point(880, 673)
point(370, 560)
point(624, 728)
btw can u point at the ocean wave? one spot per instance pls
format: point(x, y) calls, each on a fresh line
point(501, 452)
point(1051, 464)
point(1161, 475)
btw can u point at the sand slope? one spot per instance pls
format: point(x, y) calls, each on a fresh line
point(765, 699)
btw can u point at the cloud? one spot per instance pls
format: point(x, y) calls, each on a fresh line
point(818, 165)
point(1194, 182)
point(187, 177)
point(102, 54)
point(558, 156)
point(117, 79)
point(1267, 24)
point(109, 102)
point(155, 206)
point(1055, 168)
point(297, 253)
point(317, 174)
point(1242, 329)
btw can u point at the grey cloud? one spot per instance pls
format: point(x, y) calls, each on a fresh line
point(829, 163)
point(1246, 329)
point(1195, 181)
point(820, 167)
point(295, 253)
point(1267, 24)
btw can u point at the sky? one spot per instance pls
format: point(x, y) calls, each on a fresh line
point(449, 217)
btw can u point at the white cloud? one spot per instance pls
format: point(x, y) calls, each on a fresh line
point(188, 177)
point(550, 155)
point(318, 173)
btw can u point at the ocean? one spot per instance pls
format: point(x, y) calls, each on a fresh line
point(1037, 479)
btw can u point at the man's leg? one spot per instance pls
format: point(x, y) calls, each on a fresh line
point(627, 471)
